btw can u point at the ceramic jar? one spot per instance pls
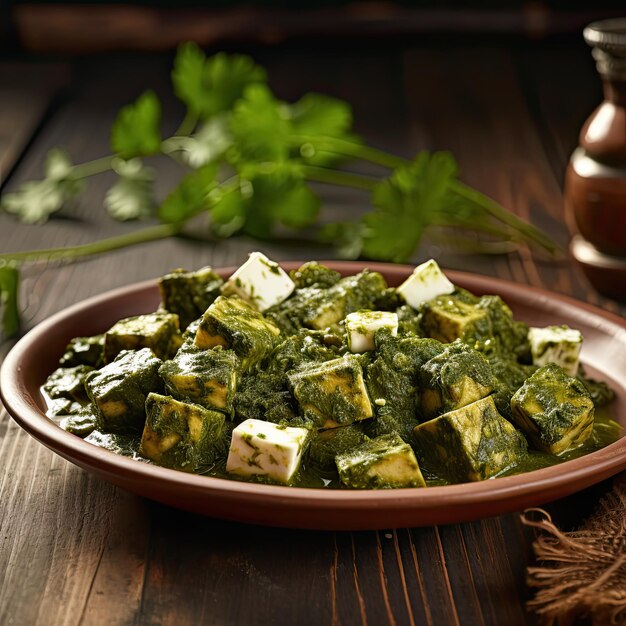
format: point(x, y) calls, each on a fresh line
point(595, 182)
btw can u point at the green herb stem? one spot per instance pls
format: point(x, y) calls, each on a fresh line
point(343, 147)
point(187, 126)
point(472, 246)
point(500, 213)
point(91, 168)
point(501, 231)
point(145, 235)
point(339, 177)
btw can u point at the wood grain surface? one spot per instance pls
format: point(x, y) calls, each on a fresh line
point(76, 550)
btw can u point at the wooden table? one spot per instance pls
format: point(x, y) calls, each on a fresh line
point(76, 550)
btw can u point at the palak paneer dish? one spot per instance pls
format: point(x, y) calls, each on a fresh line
point(319, 380)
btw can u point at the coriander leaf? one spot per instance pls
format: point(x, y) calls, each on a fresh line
point(210, 86)
point(35, 200)
point(298, 207)
point(130, 197)
point(228, 213)
point(316, 114)
point(9, 281)
point(135, 131)
point(58, 165)
point(405, 204)
point(315, 118)
point(268, 194)
point(279, 195)
point(190, 196)
point(260, 126)
point(205, 146)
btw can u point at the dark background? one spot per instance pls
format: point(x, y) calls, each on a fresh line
point(76, 27)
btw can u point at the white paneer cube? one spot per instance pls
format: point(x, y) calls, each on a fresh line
point(362, 326)
point(425, 283)
point(261, 448)
point(556, 344)
point(260, 281)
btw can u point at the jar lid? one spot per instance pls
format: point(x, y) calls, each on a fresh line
point(608, 38)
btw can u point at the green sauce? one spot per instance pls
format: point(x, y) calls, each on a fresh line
point(605, 432)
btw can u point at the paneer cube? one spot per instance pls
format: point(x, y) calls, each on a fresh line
point(205, 377)
point(189, 294)
point(319, 308)
point(327, 444)
point(456, 377)
point(83, 351)
point(386, 462)
point(118, 391)
point(156, 331)
point(361, 327)
point(553, 409)
point(425, 283)
point(332, 393)
point(268, 450)
point(496, 330)
point(469, 444)
point(68, 382)
point(235, 324)
point(181, 435)
point(350, 294)
point(556, 344)
point(447, 318)
point(260, 282)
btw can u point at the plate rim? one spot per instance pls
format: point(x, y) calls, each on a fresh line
point(23, 408)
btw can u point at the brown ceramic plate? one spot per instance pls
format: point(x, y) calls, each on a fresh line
point(604, 355)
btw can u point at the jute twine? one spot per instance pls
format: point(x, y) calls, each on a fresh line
point(582, 574)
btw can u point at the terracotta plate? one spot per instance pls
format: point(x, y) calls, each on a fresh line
point(604, 355)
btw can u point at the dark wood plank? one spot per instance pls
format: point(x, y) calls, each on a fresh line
point(54, 527)
point(433, 578)
point(495, 578)
point(27, 92)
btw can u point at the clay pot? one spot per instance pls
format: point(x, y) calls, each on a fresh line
point(595, 182)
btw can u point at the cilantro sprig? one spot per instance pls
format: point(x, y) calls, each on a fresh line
point(251, 158)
